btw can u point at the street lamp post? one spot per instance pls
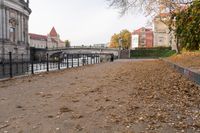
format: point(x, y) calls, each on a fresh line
point(120, 47)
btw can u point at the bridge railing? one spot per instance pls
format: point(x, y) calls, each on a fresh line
point(15, 65)
point(81, 47)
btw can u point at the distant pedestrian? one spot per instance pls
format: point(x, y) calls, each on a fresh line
point(112, 57)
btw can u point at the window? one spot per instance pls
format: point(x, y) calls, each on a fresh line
point(12, 34)
point(12, 29)
point(161, 39)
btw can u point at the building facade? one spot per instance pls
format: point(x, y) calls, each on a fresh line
point(52, 40)
point(142, 37)
point(161, 31)
point(162, 35)
point(14, 16)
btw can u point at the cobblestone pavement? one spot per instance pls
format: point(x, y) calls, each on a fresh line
point(120, 97)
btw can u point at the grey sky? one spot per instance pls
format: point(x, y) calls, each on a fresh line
point(84, 22)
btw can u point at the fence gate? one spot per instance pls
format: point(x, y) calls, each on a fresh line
point(124, 54)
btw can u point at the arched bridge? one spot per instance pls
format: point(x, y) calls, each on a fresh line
point(83, 50)
point(58, 52)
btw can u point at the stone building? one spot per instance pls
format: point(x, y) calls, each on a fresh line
point(162, 35)
point(142, 37)
point(52, 40)
point(14, 16)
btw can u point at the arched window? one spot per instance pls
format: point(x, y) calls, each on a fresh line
point(12, 30)
point(12, 34)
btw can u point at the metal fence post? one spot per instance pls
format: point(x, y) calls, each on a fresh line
point(59, 63)
point(72, 60)
point(67, 61)
point(47, 62)
point(83, 59)
point(22, 64)
point(90, 58)
point(3, 63)
point(96, 58)
point(87, 59)
point(78, 60)
point(10, 64)
point(17, 64)
point(32, 67)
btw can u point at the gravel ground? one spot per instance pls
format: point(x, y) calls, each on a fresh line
point(120, 97)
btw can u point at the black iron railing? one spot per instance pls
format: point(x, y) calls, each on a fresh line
point(15, 65)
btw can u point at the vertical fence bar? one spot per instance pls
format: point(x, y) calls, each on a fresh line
point(96, 58)
point(93, 59)
point(17, 64)
point(72, 60)
point(3, 68)
point(47, 62)
point(3, 63)
point(78, 59)
point(59, 63)
point(87, 59)
point(83, 60)
point(99, 58)
point(32, 67)
point(22, 64)
point(10, 64)
point(27, 63)
point(67, 61)
point(90, 58)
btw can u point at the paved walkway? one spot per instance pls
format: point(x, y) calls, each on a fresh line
point(124, 96)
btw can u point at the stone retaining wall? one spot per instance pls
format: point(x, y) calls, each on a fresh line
point(185, 71)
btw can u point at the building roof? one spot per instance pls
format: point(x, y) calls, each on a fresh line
point(53, 35)
point(53, 32)
point(37, 36)
point(140, 30)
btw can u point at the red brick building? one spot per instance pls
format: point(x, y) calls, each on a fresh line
point(145, 37)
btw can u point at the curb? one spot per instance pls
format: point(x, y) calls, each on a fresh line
point(190, 74)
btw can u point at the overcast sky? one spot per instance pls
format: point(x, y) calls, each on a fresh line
point(83, 22)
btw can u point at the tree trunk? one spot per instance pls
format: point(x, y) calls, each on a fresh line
point(177, 46)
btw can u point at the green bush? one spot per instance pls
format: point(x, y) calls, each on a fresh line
point(152, 53)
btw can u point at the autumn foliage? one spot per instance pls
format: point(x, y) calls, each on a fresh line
point(125, 36)
point(187, 26)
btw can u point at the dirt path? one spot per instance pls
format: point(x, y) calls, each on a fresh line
point(124, 96)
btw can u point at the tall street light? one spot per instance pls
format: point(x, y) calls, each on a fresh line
point(120, 46)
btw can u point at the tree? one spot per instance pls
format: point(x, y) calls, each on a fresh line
point(114, 43)
point(148, 6)
point(126, 39)
point(67, 43)
point(125, 35)
point(153, 8)
point(187, 26)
